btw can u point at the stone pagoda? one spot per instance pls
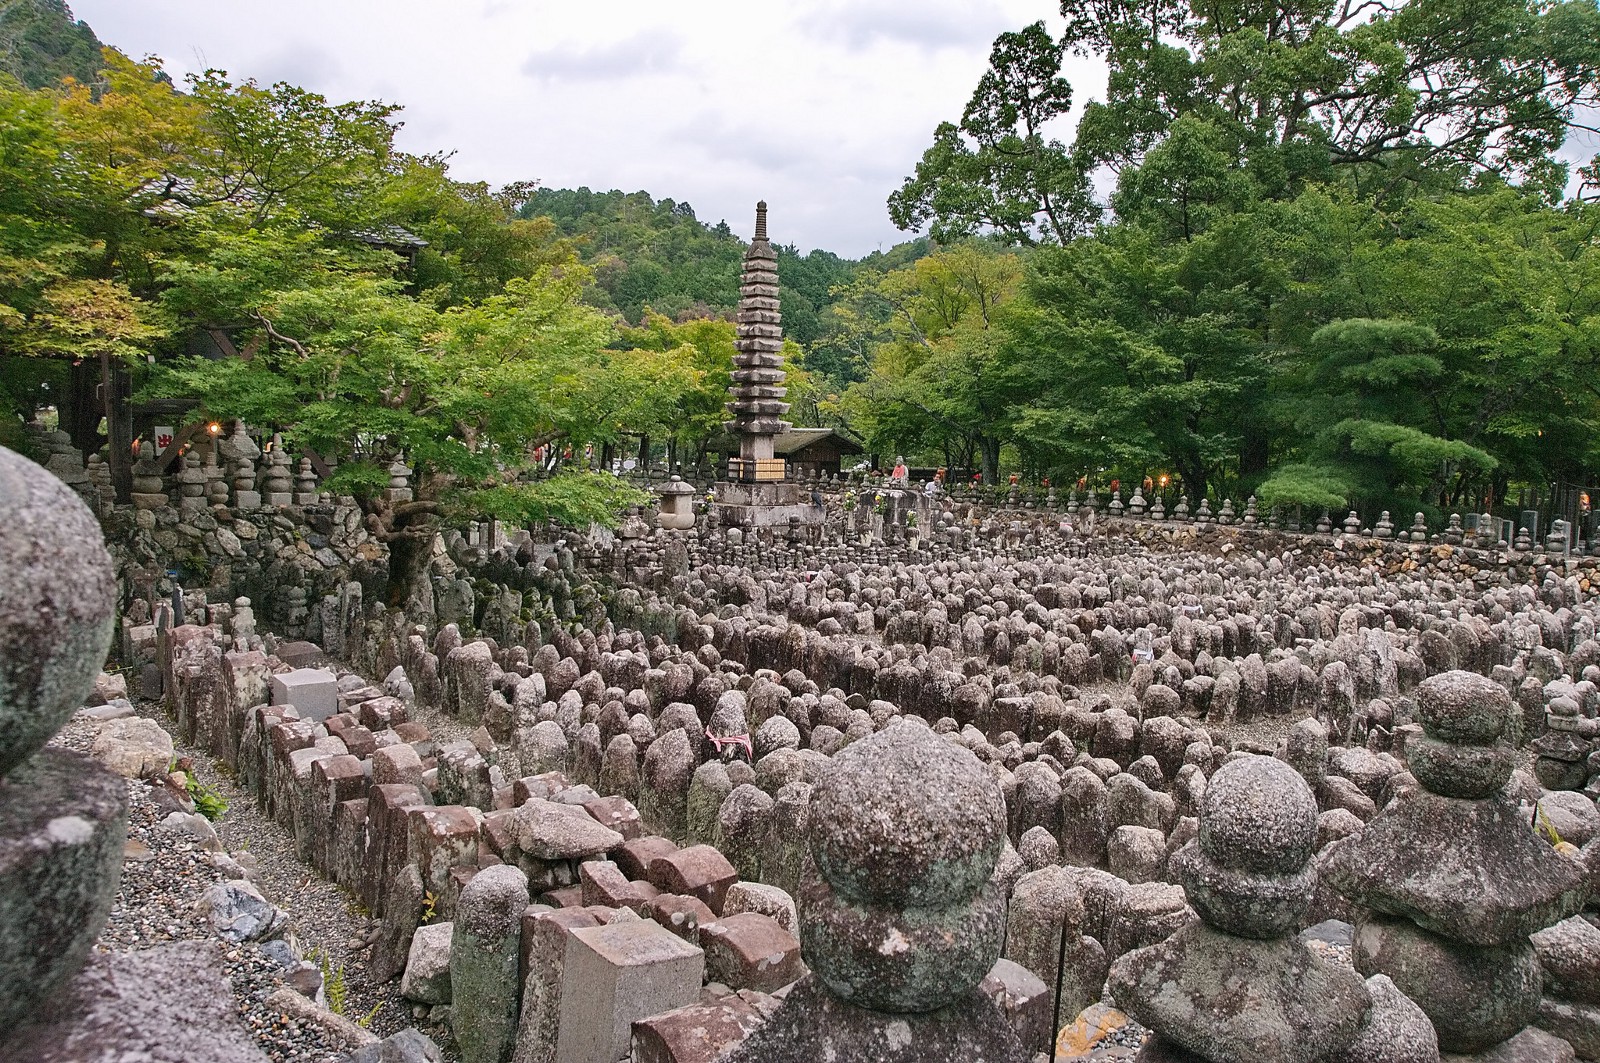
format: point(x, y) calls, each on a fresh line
point(755, 494)
point(756, 395)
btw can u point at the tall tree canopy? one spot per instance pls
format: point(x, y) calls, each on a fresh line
point(348, 295)
point(1334, 263)
point(1204, 100)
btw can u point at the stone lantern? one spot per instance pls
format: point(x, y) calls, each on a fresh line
point(677, 505)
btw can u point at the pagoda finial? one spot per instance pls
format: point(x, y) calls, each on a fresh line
point(761, 220)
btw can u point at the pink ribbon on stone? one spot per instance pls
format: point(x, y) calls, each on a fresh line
point(741, 741)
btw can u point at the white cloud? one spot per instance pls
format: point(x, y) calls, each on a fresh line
point(862, 24)
point(820, 107)
point(641, 53)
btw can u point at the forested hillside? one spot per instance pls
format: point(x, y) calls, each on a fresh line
point(657, 254)
point(41, 43)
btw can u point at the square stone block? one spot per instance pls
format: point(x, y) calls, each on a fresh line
point(699, 871)
point(617, 813)
point(615, 975)
point(541, 786)
point(705, 1031)
point(751, 951)
point(635, 855)
point(683, 916)
point(544, 949)
point(1028, 1004)
point(565, 897)
point(603, 884)
point(313, 691)
point(380, 713)
point(301, 654)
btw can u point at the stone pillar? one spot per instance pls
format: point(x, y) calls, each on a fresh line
point(216, 481)
point(305, 484)
point(1563, 754)
point(485, 950)
point(1451, 882)
point(278, 484)
point(615, 975)
point(99, 474)
point(191, 487)
point(399, 482)
point(65, 462)
point(148, 488)
point(241, 452)
point(544, 950)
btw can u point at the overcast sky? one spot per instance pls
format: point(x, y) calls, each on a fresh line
point(822, 107)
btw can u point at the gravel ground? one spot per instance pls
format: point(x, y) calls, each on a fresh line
point(167, 871)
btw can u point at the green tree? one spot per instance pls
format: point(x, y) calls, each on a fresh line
point(1372, 417)
point(1400, 94)
point(1135, 356)
point(707, 344)
point(476, 239)
point(995, 172)
point(934, 382)
point(365, 375)
point(1511, 287)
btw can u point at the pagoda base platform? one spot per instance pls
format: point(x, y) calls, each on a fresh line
point(756, 470)
point(765, 505)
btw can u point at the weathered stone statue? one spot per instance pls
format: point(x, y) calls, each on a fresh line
point(901, 911)
point(1239, 985)
point(1451, 881)
point(63, 818)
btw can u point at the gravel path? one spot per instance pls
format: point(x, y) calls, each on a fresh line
point(167, 871)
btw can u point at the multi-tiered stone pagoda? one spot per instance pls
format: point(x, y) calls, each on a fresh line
point(756, 395)
point(756, 494)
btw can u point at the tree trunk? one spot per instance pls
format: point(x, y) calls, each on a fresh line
point(409, 555)
point(990, 447)
point(81, 413)
point(1253, 453)
point(1194, 481)
point(644, 452)
point(119, 438)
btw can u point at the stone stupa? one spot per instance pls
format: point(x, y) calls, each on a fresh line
point(756, 495)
